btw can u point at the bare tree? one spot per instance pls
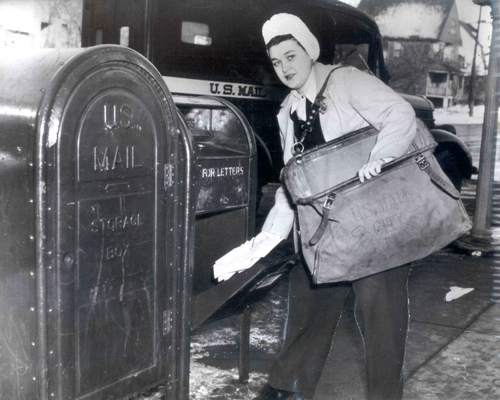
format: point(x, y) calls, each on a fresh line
point(409, 71)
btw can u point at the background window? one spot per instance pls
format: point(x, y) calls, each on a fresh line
point(196, 33)
point(397, 49)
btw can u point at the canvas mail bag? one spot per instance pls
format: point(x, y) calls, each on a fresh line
point(348, 229)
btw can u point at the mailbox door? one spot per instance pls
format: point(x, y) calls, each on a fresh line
point(115, 208)
point(225, 181)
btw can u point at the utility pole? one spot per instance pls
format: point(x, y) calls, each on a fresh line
point(481, 235)
point(473, 71)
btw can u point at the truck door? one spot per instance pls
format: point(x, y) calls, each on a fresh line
point(121, 22)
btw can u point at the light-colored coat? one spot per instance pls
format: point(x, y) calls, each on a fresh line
point(354, 100)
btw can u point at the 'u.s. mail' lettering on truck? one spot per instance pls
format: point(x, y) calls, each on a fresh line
point(225, 89)
point(228, 89)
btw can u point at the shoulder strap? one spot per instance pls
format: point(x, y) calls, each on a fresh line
point(306, 126)
point(323, 88)
point(319, 97)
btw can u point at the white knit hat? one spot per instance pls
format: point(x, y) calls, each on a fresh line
point(288, 24)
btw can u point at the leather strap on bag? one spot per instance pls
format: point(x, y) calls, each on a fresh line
point(327, 206)
point(306, 127)
point(424, 165)
point(298, 148)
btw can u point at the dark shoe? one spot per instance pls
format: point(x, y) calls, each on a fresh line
point(269, 393)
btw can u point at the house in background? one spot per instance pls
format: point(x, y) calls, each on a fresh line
point(422, 42)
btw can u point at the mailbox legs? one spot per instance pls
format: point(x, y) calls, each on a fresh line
point(244, 348)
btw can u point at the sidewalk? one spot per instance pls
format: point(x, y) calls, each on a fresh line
point(452, 346)
point(452, 350)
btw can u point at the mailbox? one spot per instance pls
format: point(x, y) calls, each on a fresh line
point(95, 222)
point(225, 176)
point(225, 180)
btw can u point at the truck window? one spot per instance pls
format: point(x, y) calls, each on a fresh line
point(352, 54)
point(195, 33)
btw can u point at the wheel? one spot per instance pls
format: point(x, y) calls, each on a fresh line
point(450, 165)
point(448, 128)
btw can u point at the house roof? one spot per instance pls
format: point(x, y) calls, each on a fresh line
point(405, 19)
point(469, 29)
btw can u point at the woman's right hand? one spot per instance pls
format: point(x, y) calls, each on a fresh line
point(370, 169)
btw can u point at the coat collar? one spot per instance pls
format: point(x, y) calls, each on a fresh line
point(321, 71)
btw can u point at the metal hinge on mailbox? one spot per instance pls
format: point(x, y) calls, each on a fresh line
point(167, 322)
point(169, 175)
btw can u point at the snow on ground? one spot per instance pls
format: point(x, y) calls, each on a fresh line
point(208, 382)
point(216, 384)
point(220, 383)
point(459, 115)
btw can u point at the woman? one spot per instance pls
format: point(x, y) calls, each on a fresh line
point(354, 100)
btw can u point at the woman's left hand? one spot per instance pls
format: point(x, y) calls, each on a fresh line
point(370, 169)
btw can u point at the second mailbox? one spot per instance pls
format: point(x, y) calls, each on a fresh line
point(225, 181)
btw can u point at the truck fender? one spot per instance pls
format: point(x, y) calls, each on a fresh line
point(442, 136)
point(453, 155)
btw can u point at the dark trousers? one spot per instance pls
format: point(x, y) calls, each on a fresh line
point(314, 311)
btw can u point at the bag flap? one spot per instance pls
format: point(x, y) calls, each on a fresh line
point(334, 165)
point(328, 165)
point(354, 181)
